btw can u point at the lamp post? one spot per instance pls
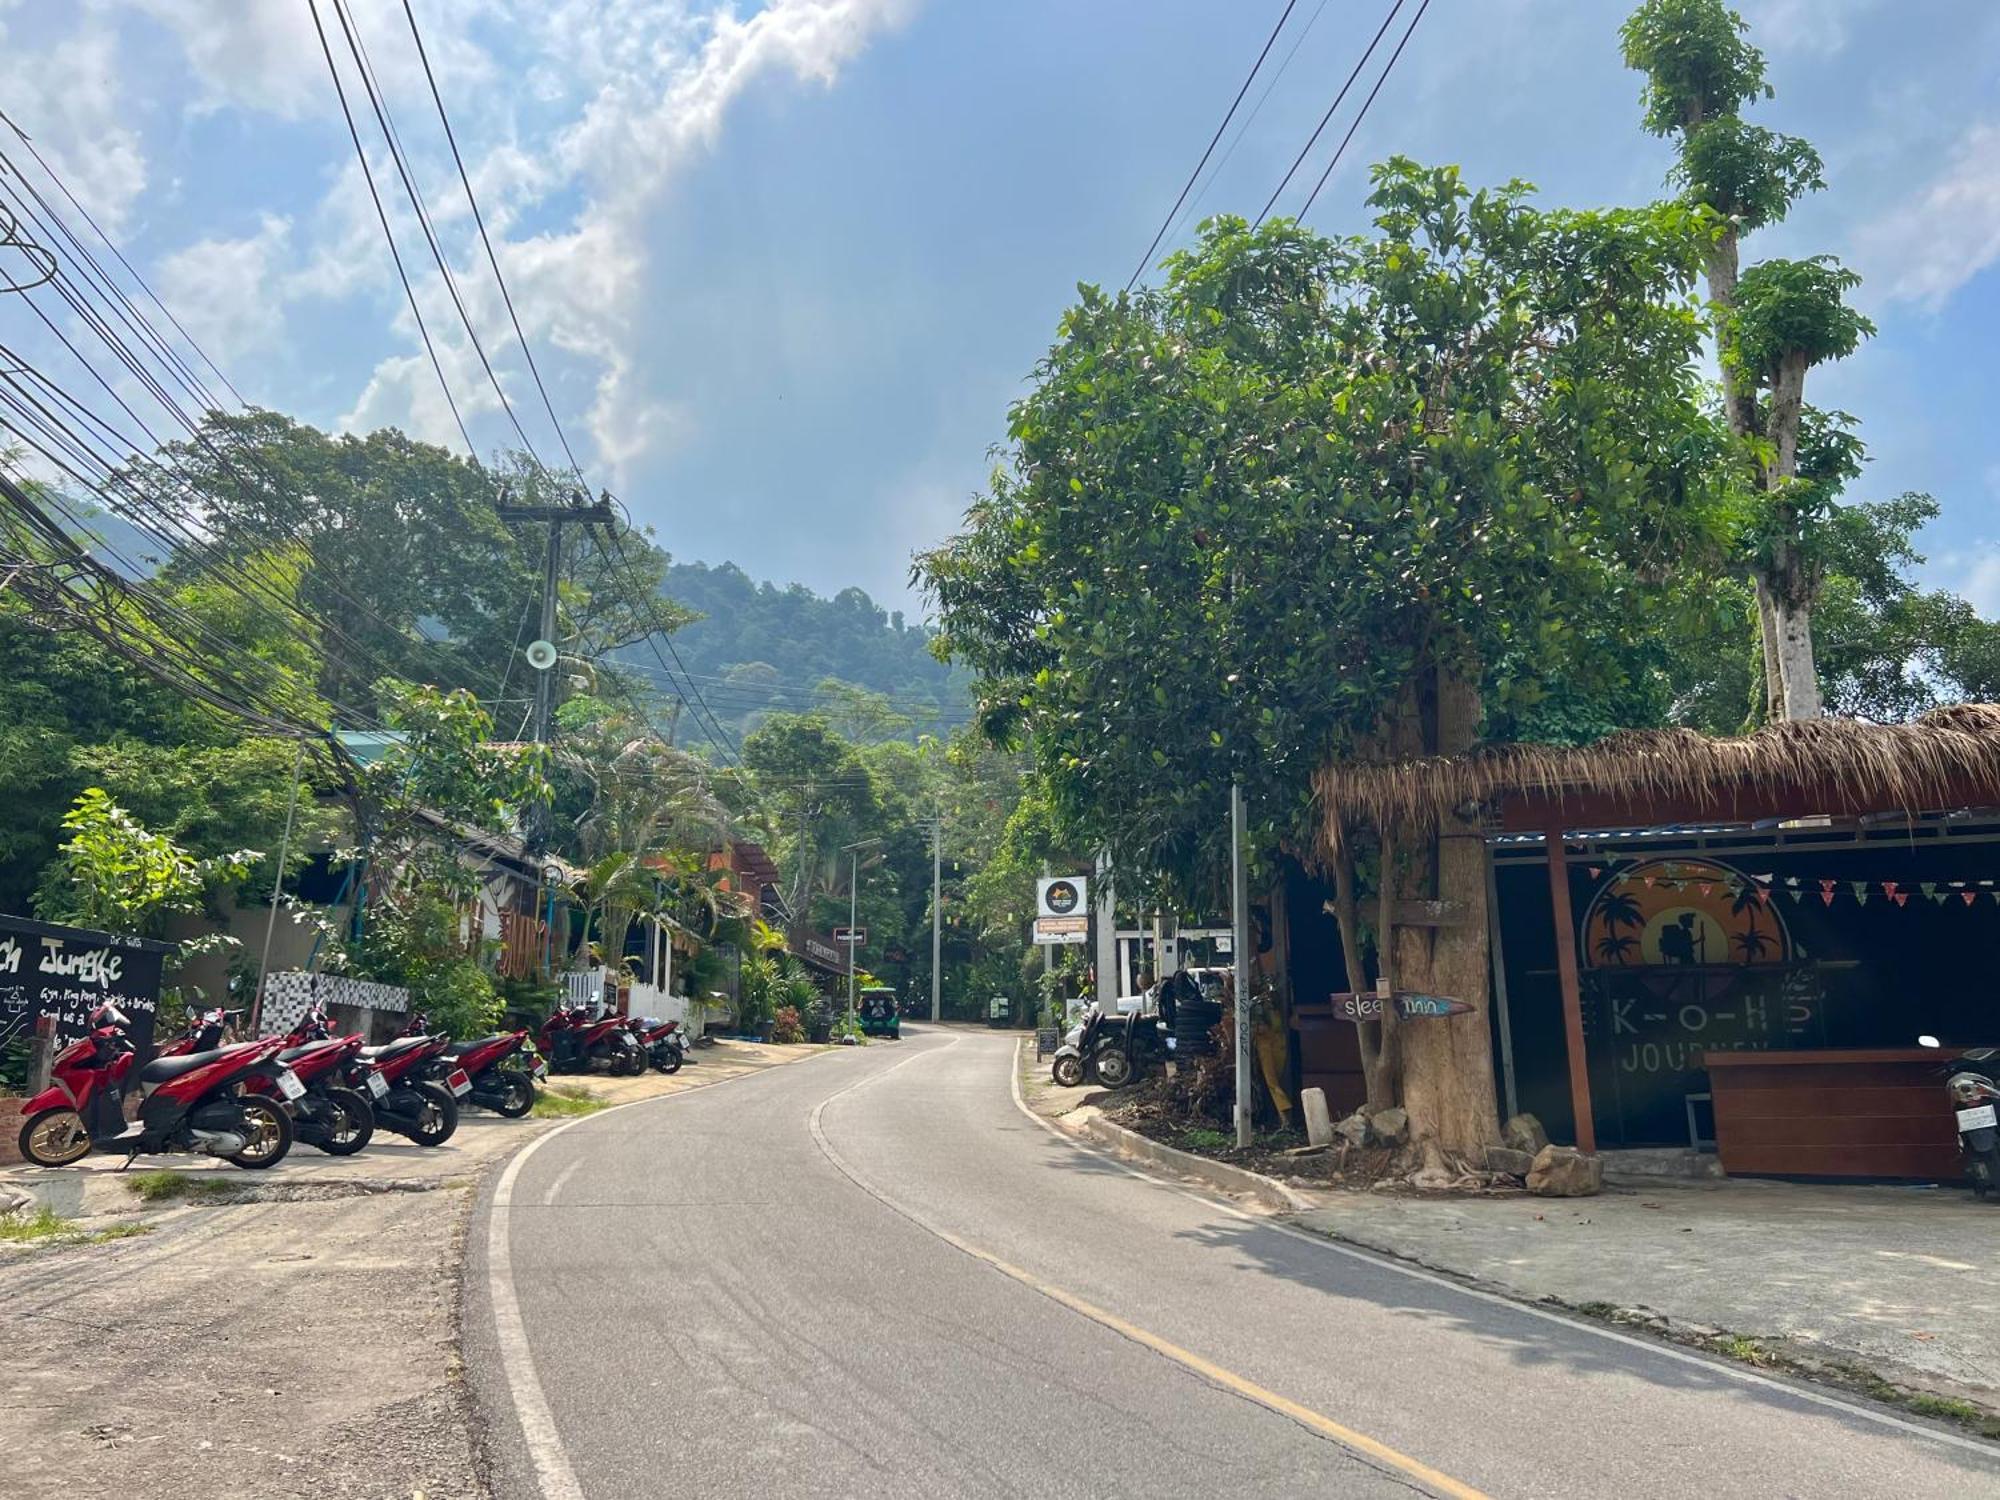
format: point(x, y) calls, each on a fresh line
point(853, 853)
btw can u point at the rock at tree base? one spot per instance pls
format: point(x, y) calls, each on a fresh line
point(1524, 1133)
point(1507, 1159)
point(1390, 1125)
point(1565, 1172)
point(1319, 1123)
point(1353, 1129)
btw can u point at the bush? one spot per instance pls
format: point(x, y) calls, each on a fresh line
point(789, 1026)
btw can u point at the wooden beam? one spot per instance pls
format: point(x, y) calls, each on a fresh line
point(1572, 991)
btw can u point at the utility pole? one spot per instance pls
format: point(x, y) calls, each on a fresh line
point(555, 517)
point(937, 905)
point(1239, 942)
point(853, 853)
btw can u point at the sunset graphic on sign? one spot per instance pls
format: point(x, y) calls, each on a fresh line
point(1682, 912)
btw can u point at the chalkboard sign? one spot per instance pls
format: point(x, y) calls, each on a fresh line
point(67, 972)
point(1370, 1006)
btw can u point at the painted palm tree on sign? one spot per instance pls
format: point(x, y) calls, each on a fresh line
point(1616, 947)
point(1618, 908)
point(1752, 941)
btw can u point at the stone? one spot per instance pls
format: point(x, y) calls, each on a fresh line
point(1319, 1123)
point(1524, 1133)
point(1507, 1159)
point(1389, 1125)
point(1353, 1129)
point(1565, 1172)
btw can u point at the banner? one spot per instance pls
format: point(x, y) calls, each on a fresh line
point(67, 972)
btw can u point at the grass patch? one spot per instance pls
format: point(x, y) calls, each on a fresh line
point(563, 1101)
point(165, 1186)
point(1202, 1138)
point(45, 1227)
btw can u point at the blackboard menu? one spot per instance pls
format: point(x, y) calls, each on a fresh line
point(67, 972)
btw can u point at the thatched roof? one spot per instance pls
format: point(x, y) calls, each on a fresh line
point(1948, 758)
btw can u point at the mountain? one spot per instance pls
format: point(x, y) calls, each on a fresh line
point(760, 648)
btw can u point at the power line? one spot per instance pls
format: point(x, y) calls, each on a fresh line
point(1387, 69)
point(361, 156)
point(1325, 119)
point(1188, 186)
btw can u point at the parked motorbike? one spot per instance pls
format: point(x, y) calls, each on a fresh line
point(404, 1102)
point(498, 1072)
point(194, 1102)
point(205, 1033)
point(331, 1116)
point(1973, 1083)
point(1109, 1050)
point(658, 1040)
point(573, 1042)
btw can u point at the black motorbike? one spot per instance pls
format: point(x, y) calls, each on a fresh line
point(1972, 1081)
point(1110, 1050)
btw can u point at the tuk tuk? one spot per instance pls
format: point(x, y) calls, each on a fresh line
point(876, 1007)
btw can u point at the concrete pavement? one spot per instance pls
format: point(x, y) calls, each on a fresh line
point(874, 1275)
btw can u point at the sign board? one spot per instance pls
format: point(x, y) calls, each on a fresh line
point(814, 949)
point(1062, 896)
point(1370, 1006)
point(67, 972)
point(1061, 931)
point(855, 935)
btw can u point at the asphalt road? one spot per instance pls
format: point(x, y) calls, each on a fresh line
point(871, 1274)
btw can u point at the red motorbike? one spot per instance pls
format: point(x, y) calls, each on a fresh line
point(196, 1102)
point(574, 1043)
point(497, 1078)
point(657, 1040)
point(332, 1116)
point(403, 1100)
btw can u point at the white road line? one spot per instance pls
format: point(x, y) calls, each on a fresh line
point(1384, 1263)
point(562, 1178)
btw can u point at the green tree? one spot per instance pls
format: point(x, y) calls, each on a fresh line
point(1329, 498)
point(1774, 322)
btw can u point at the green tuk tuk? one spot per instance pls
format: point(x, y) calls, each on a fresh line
point(879, 1015)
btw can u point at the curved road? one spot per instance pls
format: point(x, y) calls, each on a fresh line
point(871, 1274)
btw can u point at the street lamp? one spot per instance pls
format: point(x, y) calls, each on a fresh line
point(853, 853)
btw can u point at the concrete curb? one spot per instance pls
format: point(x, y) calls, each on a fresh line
point(1240, 1182)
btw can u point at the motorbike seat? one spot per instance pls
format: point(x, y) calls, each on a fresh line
point(459, 1049)
point(397, 1048)
point(165, 1069)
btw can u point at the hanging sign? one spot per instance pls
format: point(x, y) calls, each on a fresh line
point(1372, 1006)
point(1062, 896)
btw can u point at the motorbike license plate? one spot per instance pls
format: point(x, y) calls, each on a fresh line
point(378, 1086)
point(541, 1068)
point(460, 1084)
point(291, 1088)
point(1976, 1119)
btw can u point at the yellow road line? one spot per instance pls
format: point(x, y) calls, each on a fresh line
point(1228, 1380)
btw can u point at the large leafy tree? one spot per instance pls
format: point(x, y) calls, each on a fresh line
point(1331, 498)
point(1774, 322)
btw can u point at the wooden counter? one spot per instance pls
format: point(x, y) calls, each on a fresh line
point(1878, 1112)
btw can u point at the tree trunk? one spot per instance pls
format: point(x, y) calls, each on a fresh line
point(1447, 1062)
point(1784, 591)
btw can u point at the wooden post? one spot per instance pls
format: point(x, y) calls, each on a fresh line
point(1572, 991)
point(41, 1054)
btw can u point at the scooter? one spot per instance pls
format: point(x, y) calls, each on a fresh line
point(574, 1043)
point(492, 1081)
point(657, 1038)
point(1973, 1082)
point(1111, 1050)
point(331, 1116)
point(404, 1102)
point(195, 1102)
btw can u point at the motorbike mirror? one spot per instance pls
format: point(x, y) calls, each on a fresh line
point(1929, 1041)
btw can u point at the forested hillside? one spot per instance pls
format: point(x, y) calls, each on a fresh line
point(760, 648)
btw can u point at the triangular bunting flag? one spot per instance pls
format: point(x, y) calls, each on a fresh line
point(1791, 880)
point(1764, 879)
point(1826, 892)
point(1889, 890)
point(1968, 897)
point(1646, 880)
point(1595, 870)
point(1860, 893)
point(1763, 895)
point(1928, 887)
point(1796, 895)
point(1901, 898)
point(1708, 888)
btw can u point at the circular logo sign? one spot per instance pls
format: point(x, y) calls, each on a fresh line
point(1061, 898)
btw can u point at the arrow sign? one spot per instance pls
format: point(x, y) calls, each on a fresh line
point(1369, 1006)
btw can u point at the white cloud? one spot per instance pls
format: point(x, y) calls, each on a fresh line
point(1946, 233)
point(72, 102)
point(1815, 28)
point(225, 292)
point(1980, 583)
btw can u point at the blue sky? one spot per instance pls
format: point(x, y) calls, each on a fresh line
point(788, 264)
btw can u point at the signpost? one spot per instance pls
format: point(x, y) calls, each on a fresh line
point(1062, 910)
point(853, 936)
point(1368, 1005)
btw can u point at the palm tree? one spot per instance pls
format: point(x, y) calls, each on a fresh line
point(1744, 904)
point(1619, 908)
point(1615, 947)
point(1753, 943)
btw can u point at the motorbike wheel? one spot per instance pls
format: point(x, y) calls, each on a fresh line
point(437, 1118)
point(1068, 1072)
point(517, 1093)
point(54, 1138)
point(1114, 1068)
point(352, 1124)
point(667, 1059)
point(270, 1133)
point(632, 1063)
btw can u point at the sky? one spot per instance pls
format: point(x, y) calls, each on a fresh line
point(786, 266)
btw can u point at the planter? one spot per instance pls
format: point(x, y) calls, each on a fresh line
point(764, 1030)
point(10, 1132)
point(820, 1030)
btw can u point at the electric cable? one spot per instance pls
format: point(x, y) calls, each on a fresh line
point(1325, 119)
point(1387, 69)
